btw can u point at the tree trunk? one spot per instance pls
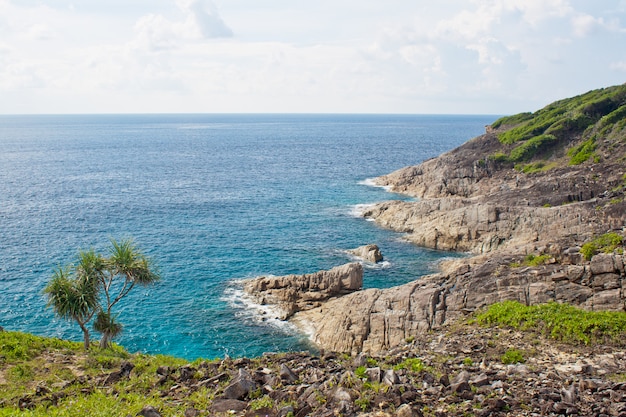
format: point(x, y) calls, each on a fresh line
point(105, 342)
point(85, 335)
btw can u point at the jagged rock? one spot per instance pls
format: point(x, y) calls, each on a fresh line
point(390, 378)
point(294, 293)
point(241, 386)
point(369, 253)
point(287, 374)
point(117, 376)
point(373, 374)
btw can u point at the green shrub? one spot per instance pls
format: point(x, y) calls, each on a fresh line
point(263, 402)
point(605, 243)
point(512, 356)
point(582, 152)
point(361, 372)
point(559, 321)
point(536, 260)
point(412, 364)
point(526, 150)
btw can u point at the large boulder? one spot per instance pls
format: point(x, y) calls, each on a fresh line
point(292, 293)
point(369, 253)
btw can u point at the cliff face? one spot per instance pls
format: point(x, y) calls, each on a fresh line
point(539, 184)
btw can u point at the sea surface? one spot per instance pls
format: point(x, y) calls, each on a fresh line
point(212, 199)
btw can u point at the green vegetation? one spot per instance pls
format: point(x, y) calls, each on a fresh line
point(65, 376)
point(536, 260)
point(96, 284)
point(561, 322)
point(361, 372)
point(512, 356)
point(532, 167)
point(583, 152)
point(532, 135)
point(412, 364)
point(532, 260)
point(606, 243)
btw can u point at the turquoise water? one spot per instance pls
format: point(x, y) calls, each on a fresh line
point(212, 199)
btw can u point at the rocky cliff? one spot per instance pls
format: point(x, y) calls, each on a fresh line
point(534, 187)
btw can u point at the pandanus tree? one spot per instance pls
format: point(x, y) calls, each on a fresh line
point(93, 286)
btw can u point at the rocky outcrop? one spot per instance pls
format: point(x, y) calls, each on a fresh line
point(375, 320)
point(468, 225)
point(482, 199)
point(370, 253)
point(294, 293)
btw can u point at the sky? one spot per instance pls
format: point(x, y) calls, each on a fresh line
point(294, 56)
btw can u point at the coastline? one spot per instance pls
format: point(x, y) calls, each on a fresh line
point(524, 232)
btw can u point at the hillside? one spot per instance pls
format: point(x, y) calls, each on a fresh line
point(488, 366)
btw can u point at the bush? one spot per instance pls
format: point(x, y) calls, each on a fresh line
point(606, 243)
point(582, 152)
point(559, 321)
point(512, 356)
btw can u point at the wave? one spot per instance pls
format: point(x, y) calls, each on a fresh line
point(371, 182)
point(357, 210)
point(384, 264)
point(247, 309)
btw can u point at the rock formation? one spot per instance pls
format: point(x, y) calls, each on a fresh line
point(294, 293)
point(370, 253)
point(524, 188)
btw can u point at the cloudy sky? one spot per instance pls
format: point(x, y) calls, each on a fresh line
point(322, 56)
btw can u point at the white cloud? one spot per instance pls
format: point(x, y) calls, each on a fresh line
point(412, 56)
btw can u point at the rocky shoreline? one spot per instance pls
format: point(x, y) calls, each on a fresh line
point(468, 200)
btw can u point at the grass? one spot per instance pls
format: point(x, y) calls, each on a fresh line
point(606, 243)
point(513, 356)
point(584, 118)
point(532, 260)
point(561, 322)
point(412, 364)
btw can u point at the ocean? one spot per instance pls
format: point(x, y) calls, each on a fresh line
point(212, 199)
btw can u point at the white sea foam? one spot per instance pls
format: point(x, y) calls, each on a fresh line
point(357, 210)
point(367, 264)
point(371, 182)
point(247, 309)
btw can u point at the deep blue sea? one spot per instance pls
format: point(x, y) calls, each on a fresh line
point(212, 199)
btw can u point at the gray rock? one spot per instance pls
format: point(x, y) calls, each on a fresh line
point(287, 374)
point(390, 378)
point(149, 411)
point(240, 387)
point(221, 405)
point(374, 374)
point(479, 380)
point(462, 376)
point(460, 387)
point(405, 410)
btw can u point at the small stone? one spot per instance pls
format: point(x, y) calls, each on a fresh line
point(390, 378)
point(373, 374)
point(163, 370)
point(226, 405)
point(149, 411)
point(405, 410)
point(460, 387)
point(192, 412)
point(479, 380)
point(463, 376)
point(240, 387)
